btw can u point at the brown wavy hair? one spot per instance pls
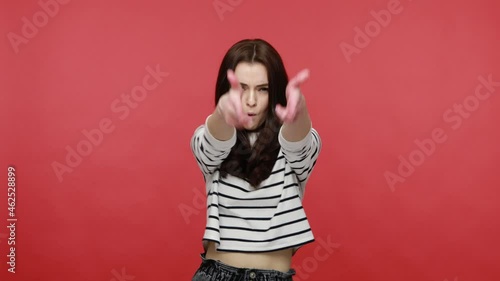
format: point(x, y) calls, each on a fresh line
point(254, 164)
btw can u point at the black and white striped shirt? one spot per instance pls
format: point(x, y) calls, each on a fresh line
point(244, 219)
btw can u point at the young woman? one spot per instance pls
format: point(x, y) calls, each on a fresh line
point(256, 152)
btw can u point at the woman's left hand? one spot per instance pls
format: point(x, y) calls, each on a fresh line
point(294, 98)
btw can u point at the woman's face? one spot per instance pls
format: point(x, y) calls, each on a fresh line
point(255, 97)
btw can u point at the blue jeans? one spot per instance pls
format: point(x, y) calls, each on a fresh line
point(212, 270)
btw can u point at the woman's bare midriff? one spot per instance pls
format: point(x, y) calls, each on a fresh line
point(278, 260)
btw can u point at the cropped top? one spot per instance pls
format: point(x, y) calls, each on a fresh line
point(240, 218)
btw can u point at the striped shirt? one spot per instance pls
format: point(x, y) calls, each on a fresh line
point(244, 219)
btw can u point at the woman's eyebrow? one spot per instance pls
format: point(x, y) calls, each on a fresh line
point(261, 85)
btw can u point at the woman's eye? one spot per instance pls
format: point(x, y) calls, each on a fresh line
point(263, 89)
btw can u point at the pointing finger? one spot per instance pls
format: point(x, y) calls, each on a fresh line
point(300, 78)
point(240, 117)
point(233, 81)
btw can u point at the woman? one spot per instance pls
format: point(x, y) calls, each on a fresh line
point(256, 151)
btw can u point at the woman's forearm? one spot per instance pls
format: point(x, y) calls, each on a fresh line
point(218, 127)
point(300, 127)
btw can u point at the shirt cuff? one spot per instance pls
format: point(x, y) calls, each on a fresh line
point(218, 144)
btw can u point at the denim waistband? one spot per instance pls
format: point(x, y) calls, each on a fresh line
point(212, 267)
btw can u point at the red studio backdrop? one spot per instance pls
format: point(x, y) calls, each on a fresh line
point(99, 100)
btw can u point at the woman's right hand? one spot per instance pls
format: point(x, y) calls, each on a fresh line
point(230, 106)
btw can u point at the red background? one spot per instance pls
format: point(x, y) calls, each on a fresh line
point(120, 208)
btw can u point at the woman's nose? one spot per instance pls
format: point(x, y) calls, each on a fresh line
point(251, 99)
